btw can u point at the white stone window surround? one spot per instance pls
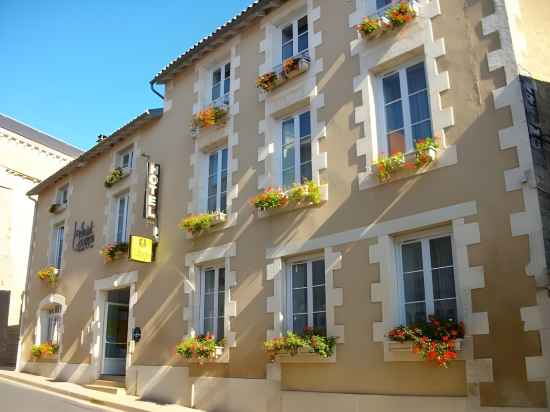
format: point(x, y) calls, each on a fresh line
point(195, 262)
point(102, 287)
point(528, 222)
point(226, 136)
point(42, 315)
point(125, 158)
point(298, 94)
point(277, 271)
point(125, 185)
point(416, 38)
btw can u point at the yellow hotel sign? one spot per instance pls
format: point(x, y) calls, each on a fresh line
point(141, 249)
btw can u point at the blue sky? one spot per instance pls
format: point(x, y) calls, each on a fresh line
point(78, 68)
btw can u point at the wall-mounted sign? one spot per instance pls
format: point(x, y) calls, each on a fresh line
point(136, 334)
point(83, 236)
point(141, 249)
point(151, 192)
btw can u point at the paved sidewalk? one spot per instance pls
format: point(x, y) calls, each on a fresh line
point(118, 402)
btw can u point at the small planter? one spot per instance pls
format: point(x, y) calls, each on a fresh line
point(113, 251)
point(44, 351)
point(48, 274)
point(274, 201)
point(196, 225)
point(392, 19)
point(296, 67)
point(291, 68)
point(115, 176)
point(311, 344)
point(201, 349)
point(213, 116)
point(56, 208)
point(409, 346)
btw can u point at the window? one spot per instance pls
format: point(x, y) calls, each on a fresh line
point(217, 181)
point(62, 196)
point(427, 280)
point(295, 38)
point(306, 296)
point(212, 307)
point(121, 225)
point(126, 159)
point(52, 332)
point(296, 149)
point(406, 108)
point(221, 83)
point(59, 235)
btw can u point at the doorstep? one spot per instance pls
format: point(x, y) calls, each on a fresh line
point(119, 402)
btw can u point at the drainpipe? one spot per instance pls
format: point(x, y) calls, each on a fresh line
point(152, 86)
point(18, 364)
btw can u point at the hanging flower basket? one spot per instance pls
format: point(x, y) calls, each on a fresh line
point(48, 274)
point(113, 251)
point(197, 224)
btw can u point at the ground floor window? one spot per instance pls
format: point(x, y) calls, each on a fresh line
point(212, 298)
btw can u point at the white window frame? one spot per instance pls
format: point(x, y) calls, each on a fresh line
point(381, 105)
point(62, 195)
point(52, 331)
point(427, 273)
point(202, 299)
point(224, 97)
point(120, 158)
point(294, 24)
point(219, 169)
point(297, 142)
point(289, 324)
point(117, 217)
point(58, 243)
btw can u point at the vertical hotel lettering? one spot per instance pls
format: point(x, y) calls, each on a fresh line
point(151, 192)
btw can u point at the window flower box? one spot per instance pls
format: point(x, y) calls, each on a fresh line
point(393, 18)
point(274, 201)
point(57, 208)
point(308, 347)
point(196, 225)
point(212, 116)
point(48, 274)
point(116, 176)
point(113, 251)
point(201, 349)
point(44, 351)
point(433, 341)
point(291, 68)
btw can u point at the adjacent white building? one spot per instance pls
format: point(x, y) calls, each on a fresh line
point(27, 156)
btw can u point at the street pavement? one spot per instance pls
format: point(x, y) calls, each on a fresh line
point(17, 397)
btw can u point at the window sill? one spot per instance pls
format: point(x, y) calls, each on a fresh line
point(57, 209)
point(445, 157)
point(403, 352)
point(219, 223)
point(303, 356)
point(290, 207)
point(221, 356)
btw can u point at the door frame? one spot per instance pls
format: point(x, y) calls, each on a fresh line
point(104, 332)
point(102, 287)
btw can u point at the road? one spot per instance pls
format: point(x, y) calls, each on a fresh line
point(16, 397)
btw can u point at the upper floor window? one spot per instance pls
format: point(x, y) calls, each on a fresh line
point(406, 108)
point(295, 38)
point(121, 223)
point(296, 149)
point(125, 159)
point(427, 280)
point(221, 84)
point(217, 181)
point(58, 239)
point(212, 298)
point(306, 296)
point(62, 196)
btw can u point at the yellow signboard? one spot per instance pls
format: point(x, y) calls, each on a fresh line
point(141, 249)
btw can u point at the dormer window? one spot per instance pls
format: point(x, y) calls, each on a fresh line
point(295, 38)
point(221, 84)
point(126, 159)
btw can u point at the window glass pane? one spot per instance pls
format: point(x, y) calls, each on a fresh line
point(415, 313)
point(226, 86)
point(394, 116)
point(288, 131)
point(382, 3)
point(305, 152)
point(224, 183)
point(216, 76)
point(320, 322)
point(221, 279)
point(422, 130)
point(319, 299)
point(299, 300)
point(299, 323)
point(288, 178)
point(209, 281)
point(443, 283)
point(412, 257)
point(119, 296)
point(220, 333)
point(212, 204)
point(441, 252)
point(392, 88)
point(212, 185)
point(221, 304)
point(213, 163)
point(302, 25)
point(224, 159)
point(223, 202)
point(216, 91)
point(318, 269)
point(209, 326)
point(306, 172)
point(209, 300)
point(416, 78)
point(288, 157)
point(287, 34)
point(302, 43)
point(305, 124)
point(414, 286)
point(419, 107)
point(445, 309)
point(299, 275)
point(288, 51)
point(396, 142)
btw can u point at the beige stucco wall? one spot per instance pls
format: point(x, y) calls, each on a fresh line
point(360, 366)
